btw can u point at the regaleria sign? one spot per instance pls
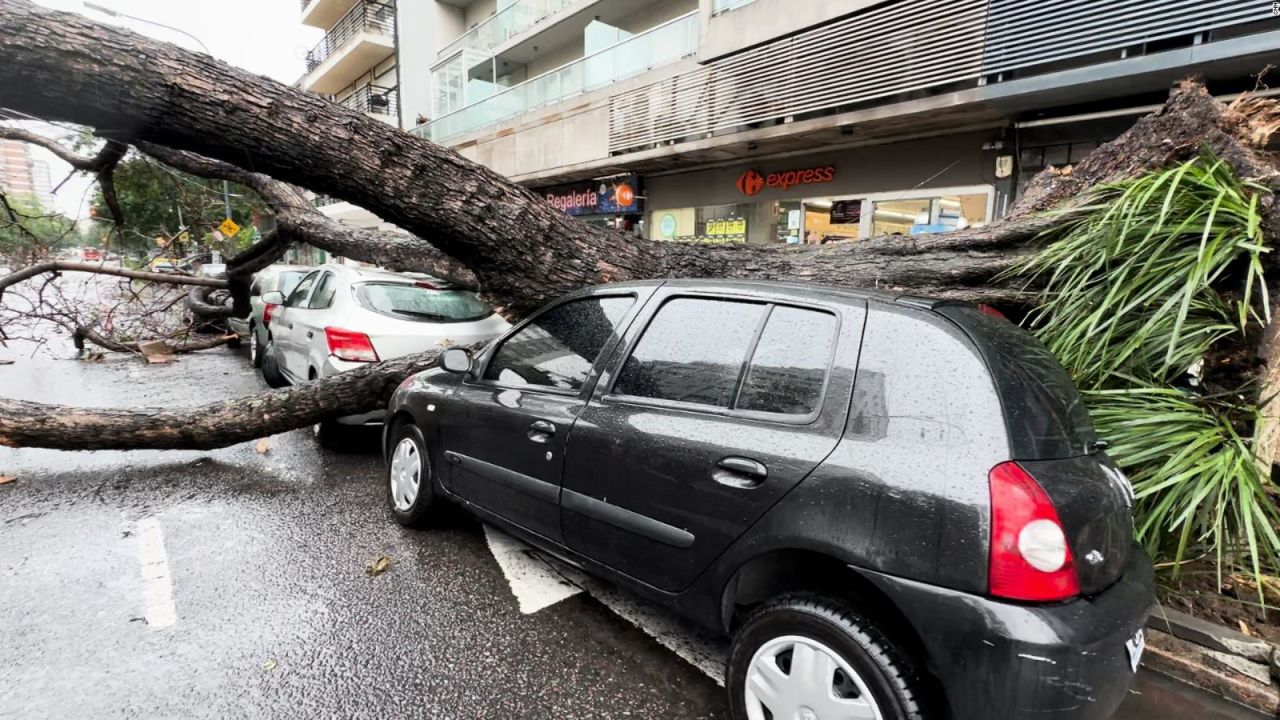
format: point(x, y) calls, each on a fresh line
point(613, 196)
point(752, 182)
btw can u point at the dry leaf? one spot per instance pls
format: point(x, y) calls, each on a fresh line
point(1244, 628)
point(263, 446)
point(379, 566)
point(5, 479)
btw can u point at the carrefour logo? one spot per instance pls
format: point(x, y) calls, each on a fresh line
point(751, 182)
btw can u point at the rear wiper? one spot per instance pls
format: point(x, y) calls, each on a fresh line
point(414, 313)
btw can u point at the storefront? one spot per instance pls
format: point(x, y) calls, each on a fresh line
point(615, 202)
point(908, 188)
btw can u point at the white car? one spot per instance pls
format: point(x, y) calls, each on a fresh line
point(340, 317)
point(253, 327)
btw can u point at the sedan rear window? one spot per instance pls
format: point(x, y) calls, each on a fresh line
point(414, 302)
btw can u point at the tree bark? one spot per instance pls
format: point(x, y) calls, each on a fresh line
point(55, 266)
point(219, 424)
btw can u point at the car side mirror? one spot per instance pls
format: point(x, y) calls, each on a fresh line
point(275, 297)
point(456, 360)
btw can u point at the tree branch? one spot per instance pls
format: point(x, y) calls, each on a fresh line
point(55, 266)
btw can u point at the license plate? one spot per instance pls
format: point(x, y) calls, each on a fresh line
point(1135, 645)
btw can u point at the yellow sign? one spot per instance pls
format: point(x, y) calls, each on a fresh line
point(229, 227)
point(184, 236)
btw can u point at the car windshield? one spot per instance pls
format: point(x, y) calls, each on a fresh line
point(414, 302)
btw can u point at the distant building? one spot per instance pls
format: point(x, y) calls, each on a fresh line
point(16, 176)
point(41, 182)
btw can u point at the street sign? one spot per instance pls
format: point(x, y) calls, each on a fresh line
point(229, 227)
point(184, 236)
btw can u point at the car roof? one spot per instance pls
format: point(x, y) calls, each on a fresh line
point(376, 274)
point(815, 291)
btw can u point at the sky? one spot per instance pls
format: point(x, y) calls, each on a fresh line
point(262, 36)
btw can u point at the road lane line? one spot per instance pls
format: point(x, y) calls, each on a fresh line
point(157, 588)
point(534, 583)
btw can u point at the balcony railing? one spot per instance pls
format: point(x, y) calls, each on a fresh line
point(657, 46)
point(906, 49)
point(322, 200)
point(505, 24)
point(373, 99)
point(305, 3)
point(365, 16)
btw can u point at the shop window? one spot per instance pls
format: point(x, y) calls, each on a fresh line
point(1057, 155)
point(898, 217)
point(832, 219)
point(710, 224)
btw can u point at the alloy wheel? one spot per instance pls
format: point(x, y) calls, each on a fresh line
point(797, 678)
point(405, 474)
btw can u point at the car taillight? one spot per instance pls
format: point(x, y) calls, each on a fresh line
point(350, 345)
point(1030, 556)
point(267, 311)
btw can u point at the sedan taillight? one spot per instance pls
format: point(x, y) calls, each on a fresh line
point(1030, 556)
point(350, 345)
point(267, 311)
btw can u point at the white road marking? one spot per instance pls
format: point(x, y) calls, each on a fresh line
point(539, 581)
point(157, 588)
point(534, 583)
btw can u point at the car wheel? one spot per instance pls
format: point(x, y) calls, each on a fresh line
point(805, 656)
point(255, 348)
point(410, 492)
point(270, 370)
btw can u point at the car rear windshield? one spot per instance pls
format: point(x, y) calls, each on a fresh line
point(1045, 415)
point(414, 302)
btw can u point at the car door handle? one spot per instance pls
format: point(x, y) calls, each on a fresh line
point(541, 431)
point(310, 334)
point(740, 472)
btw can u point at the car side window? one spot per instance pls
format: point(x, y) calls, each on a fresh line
point(255, 287)
point(323, 296)
point(788, 370)
point(299, 294)
point(693, 351)
point(558, 348)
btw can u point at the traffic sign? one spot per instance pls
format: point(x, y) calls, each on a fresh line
point(229, 227)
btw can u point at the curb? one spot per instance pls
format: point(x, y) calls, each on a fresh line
point(1216, 658)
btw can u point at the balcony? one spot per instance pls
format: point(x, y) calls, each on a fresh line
point(660, 45)
point(375, 100)
point(324, 13)
point(362, 38)
point(505, 24)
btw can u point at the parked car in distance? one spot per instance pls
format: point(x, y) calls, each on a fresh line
point(897, 507)
point(90, 254)
point(252, 328)
point(340, 317)
point(162, 264)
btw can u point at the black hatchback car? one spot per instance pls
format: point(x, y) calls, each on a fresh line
point(896, 506)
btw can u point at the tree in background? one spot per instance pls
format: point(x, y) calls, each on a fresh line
point(158, 201)
point(29, 232)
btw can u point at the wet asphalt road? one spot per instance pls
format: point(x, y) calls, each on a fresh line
point(273, 613)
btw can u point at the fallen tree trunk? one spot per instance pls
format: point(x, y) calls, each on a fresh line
point(31, 424)
point(55, 266)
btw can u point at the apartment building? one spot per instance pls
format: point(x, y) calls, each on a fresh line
point(16, 172)
point(782, 120)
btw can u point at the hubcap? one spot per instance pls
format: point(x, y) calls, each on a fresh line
point(405, 474)
point(796, 678)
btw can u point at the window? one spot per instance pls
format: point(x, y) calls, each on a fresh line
point(323, 296)
point(414, 302)
point(299, 293)
point(289, 280)
point(558, 348)
point(788, 370)
point(692, 352)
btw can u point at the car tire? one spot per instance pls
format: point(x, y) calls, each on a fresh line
point(868, 669)
point(256, 350)
point(270, 370)
point(411, 503)
point(329, 435)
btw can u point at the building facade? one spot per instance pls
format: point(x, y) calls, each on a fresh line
point(17, 175)
point(789, 120)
